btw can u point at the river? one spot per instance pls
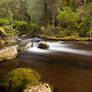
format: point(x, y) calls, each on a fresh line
point(67, 66)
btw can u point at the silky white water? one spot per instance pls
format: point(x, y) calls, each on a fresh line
point(58, 46)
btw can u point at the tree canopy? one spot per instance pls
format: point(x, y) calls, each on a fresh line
point(54, 15)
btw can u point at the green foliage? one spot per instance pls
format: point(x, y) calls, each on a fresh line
point(67, 21)
point(26, 27)
point(15, 80)
point(10, 30)
point(21, 26)
point(75, 34)
point(30, 84)
point(88, 9)
point(36, 28)
point(67, 18)
point(20, 23)
point(73, 22)
point(90, 32)
point(63, 32)
point(4, 21)
point(29, 16)
point(10, 16)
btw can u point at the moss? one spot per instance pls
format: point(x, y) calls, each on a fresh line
point(83, 39)
point(15, 80)
point(30, 84)
point(10, 30)
point(57, 38)
point(67, 38)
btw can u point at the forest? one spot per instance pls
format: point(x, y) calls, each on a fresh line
point(45, 45)
point(64, 19)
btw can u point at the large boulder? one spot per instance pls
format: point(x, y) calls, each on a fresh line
point(43, 45)
point(24, 45)
point(42, 87)
point(8, 53)
point(15, 80)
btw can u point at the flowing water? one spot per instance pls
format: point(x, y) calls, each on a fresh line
point(67, 66)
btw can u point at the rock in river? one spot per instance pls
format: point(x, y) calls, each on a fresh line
point(24, 45)
point(42, 87)
point(43, 45)
point(8, 53)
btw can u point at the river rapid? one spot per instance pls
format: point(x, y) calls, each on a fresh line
point(67, 66)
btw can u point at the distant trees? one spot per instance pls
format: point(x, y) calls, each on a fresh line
point(50, 14)
point(43, 11)
point(77, 19)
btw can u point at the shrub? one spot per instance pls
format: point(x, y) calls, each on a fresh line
point(25, 27)
point(3, 21)
point(10, 30)
point(15, 80)
point(63, 32)
point(20, 25)
point(75, 34)
point(67, 18)
point(36, 28)
point(71, 20)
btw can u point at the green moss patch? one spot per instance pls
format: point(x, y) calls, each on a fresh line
point(67, 38)
point(15, 80)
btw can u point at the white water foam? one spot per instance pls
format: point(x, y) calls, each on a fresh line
point(64, 48)
point(55, 47)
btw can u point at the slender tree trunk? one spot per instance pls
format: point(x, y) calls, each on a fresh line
point(46, 14)
point(53, 22)
point(90, 36)
point(85, 1)
point(74, 4)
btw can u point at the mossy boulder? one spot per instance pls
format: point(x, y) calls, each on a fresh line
point(15, 80)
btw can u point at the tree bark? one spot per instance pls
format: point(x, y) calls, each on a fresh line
point(46, 14)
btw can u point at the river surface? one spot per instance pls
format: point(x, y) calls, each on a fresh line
point(67, 66)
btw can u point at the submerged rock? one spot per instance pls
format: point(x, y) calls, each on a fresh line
point(42, 87)
point(8, 53)
point(24, 45)
point(43, 45)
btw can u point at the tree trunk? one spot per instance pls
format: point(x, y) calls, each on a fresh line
point(85, 1)
point(46, 14)
point(90, 36)
point(53, 22)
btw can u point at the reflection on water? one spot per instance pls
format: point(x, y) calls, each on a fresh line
point(73, 51)
point(66, 65)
